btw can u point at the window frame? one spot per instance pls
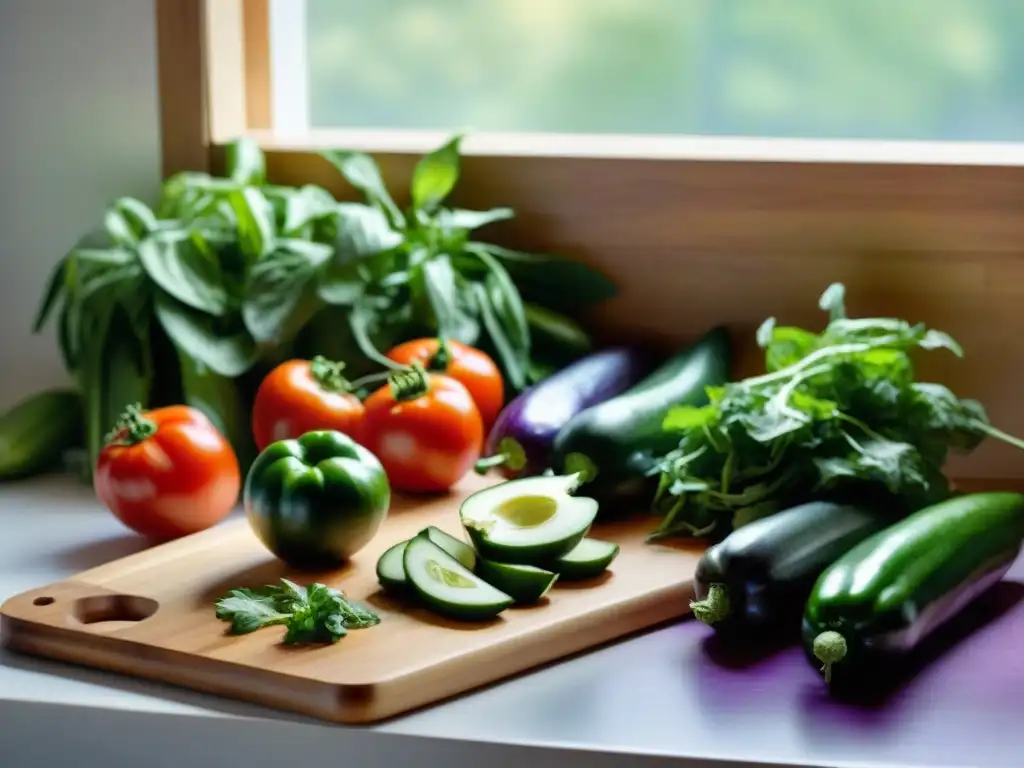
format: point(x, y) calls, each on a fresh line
point(766, 223)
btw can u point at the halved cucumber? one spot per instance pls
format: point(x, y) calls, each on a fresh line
point(391, 568)
point(523, 583)
point(588, 559)
point(528, 521)
point(460, 550)
point(446, 586)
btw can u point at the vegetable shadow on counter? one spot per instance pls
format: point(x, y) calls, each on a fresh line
point(893, 675)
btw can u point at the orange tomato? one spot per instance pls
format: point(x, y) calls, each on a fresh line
point(427, 442)
point(301, 396)
point(474, 369)
point(167, 472)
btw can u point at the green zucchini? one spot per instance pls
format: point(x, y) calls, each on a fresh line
point(887, 595)
point(36, 431)
point(615, 445)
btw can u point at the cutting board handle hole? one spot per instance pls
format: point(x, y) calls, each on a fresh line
point(102, 609)
point(45, 600)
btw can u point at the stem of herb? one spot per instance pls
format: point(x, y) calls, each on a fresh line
point(998, 434)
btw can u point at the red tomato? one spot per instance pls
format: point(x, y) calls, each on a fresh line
point(300, 396)
point(467, 365)
point(168, 472)
point(426, 443)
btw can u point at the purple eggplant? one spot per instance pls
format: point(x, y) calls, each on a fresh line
point(519, 444)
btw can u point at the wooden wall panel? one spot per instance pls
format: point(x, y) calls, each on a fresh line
point(692, 244)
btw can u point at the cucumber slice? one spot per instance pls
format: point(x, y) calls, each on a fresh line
point(446, 586)
point(588, 559)
point(523, 583)
point(460, 550)
point(528, 521)
point(391, 569)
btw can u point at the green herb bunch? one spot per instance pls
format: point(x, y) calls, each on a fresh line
point(837, 414)
point(193, 301)
point(313, 614)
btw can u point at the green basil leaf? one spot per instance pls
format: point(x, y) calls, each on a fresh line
point(255, 220)
point(55, 287)
point(509, 357)
point(228, 352)
point(361, 171)
point(460, 218)
point(507, 304)
point(557, 283)
point(441, 290)
point(175, 263)
point(220, 399)
point(245, 162)
point(556, 336)
point(306, 206)
point(363, 232)
point(435, 175)
point(281, 297)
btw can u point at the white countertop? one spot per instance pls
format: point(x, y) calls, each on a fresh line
point(645, 697)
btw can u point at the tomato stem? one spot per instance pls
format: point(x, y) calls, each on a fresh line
point(409, 384)
point(442, 358)
point(132, 427)
point(329, 374)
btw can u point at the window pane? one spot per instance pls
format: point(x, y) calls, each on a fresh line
point(882, 69)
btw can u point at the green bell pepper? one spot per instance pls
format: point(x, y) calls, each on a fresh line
point(317, 500)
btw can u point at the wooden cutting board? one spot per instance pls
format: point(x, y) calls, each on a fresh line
point(151, 615)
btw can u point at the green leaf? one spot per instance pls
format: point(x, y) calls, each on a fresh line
point(128, 221)
point(683, 418)
point(55, 287)
point(281, 295)
point(442, 293)
point(245, 162)
point(255, 220)
point(939, 340)
point(509, 356)
point(362, 232)
point(188, 273)
point(220, 398)
point(361, 171)
point(786, 345)
point(508, 305)
point(305, 207)
point(556, 283)
point(229, 351)
point(460, 218)
point(833, 301)
point(435, 175)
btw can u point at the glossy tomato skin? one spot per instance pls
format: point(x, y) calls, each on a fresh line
point(293, 400)
point(428, 443)
point(182, 478)
point(474, 369)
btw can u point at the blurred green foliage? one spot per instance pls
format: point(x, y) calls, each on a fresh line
point(879, 69)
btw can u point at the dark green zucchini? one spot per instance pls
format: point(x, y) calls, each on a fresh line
point(754, 583)
point(887, 595)
point(36, 432)
point(616, 444)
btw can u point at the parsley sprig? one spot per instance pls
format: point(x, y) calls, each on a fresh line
point(836, 413)
point(313, 614)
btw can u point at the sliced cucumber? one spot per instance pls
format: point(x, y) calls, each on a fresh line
point(528, 521)
point(391, 568)
point(446, 586)
point(460, 550)
point(588, 559)
point(523, 583)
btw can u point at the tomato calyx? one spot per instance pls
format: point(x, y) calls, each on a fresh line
point(330, 375)
point(408, 384)
point(131, 428)
point(442, 358)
